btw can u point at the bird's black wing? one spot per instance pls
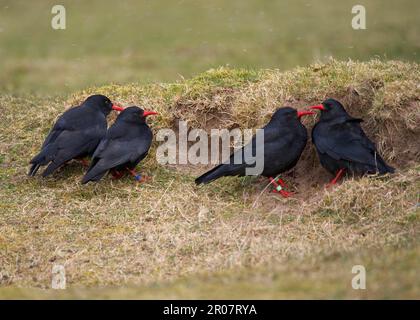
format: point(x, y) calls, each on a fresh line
point(66, 122)
point(64, 141)
point(58, 128)
point(347, 141)
point(114, 151)
point(276, 141)
point(70, 144)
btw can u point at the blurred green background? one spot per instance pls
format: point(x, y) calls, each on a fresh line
point(158, 41)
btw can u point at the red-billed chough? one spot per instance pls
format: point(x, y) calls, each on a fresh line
point(285, 138)
point(126, 143)
point(76, 134)
point(342, 144)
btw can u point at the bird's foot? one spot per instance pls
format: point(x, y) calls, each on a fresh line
point(281, 182)
point(145, 178)
point(280, 185)
point(336, 178)
point(117, 174)
point(139, 178)
point(84, 162)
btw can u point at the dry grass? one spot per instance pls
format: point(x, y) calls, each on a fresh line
point(170, 234)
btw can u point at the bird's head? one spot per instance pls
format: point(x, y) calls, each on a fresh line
point(289, 114)
point(135, 114)
point(102, 103)
point(330, 109)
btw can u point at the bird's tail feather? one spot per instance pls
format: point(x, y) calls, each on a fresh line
point(37, 161)
point(41, 159)
point(93, 175)
point(51, 168)
point(383, 167)
point(34, 169)
point(211, 175)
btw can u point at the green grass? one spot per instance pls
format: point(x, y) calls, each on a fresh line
point(161, 41)
point(171, 239)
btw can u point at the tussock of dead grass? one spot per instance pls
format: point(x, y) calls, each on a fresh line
point(385, 95)
point(119, 233)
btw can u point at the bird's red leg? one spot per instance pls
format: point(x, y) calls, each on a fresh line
point(83, 161)
point(336, 178)
point(116, 174)
point(279, 187)
point(281, 182)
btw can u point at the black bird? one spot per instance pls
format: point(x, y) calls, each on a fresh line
point(126, 143)
point(76, 134)
point(342, 145)
point(285, 138)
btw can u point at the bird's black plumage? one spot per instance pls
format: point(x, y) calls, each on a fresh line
point(126, 143)
point(342, 144)
point(76, 133)
point(285, 138)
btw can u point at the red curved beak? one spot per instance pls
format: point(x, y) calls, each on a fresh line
point(149, 113)
point(304, 113)
point(318, 107)
point(117, 108)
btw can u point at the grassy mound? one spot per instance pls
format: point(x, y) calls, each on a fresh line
point(169, 235)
